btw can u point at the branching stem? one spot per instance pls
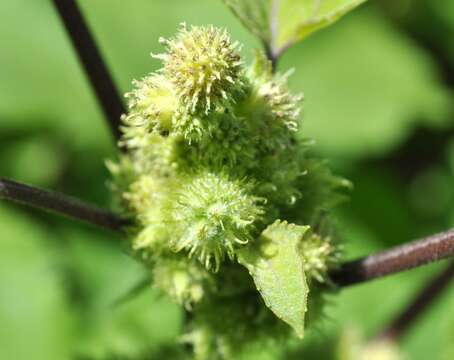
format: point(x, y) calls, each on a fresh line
point(421, 302)
point(60, 204)
point(92, 62)
point(396, 259)
point(272, 56)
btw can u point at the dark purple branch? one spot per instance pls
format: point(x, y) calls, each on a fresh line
point(270, 45)
point(60, 204)
point(421, 302)
point(396, 259)
point(92, 62)
point(272, 56)
point(391, 261)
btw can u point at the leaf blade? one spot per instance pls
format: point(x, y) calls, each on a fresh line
point(322, 14)
point(282, 23)
point(277, 269)
point(254, 15)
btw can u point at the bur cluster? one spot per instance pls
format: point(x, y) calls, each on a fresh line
point(217, 179)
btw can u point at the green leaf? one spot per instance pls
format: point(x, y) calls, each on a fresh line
point(281, 23)
point(297, 19)
point(371, 98)
point(254, 14)
point(277, 270)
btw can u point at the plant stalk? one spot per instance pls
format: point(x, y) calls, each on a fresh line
point(421, 302)
point(92, 62)
point(60, 204)
point(396, 259)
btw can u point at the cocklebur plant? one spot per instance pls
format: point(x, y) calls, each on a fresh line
point(177, 142)
point(227, 200)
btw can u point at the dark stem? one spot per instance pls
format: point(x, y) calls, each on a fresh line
point(396, 259)
point(92, 62)
point(390, 261)
point(422, 301)
point(60, 204)
point(272, 57)
point(270, 45)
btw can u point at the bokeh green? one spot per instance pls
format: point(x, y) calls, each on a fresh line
point(379, 102)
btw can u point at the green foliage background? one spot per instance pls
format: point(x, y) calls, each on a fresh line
point(378, 101)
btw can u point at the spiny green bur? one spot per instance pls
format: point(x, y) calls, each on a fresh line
point(213, 162)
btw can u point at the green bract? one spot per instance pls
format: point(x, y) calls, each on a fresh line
point(212, 164)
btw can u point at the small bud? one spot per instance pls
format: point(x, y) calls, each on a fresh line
point(152, 105)
point(284, 105)
point(146, 198)
point(184, 281)
point(319, 255)
point(204, 66)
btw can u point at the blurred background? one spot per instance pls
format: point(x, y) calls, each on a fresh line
point(379, 102)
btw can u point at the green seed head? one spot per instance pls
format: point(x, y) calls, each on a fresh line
point(151, 106)
point(184, 281)
point(217, 215)
point(319, 255)
point(204, 65)
point(147, 198)
point(284, 106)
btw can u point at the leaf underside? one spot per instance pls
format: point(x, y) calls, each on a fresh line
point(277, 269)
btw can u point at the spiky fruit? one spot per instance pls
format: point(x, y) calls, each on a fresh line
point(152, 106)
point(185, 281)
point(204, 65)
point(217, 216)
point(284, 106)
point(273, 91)
point(318, 254)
